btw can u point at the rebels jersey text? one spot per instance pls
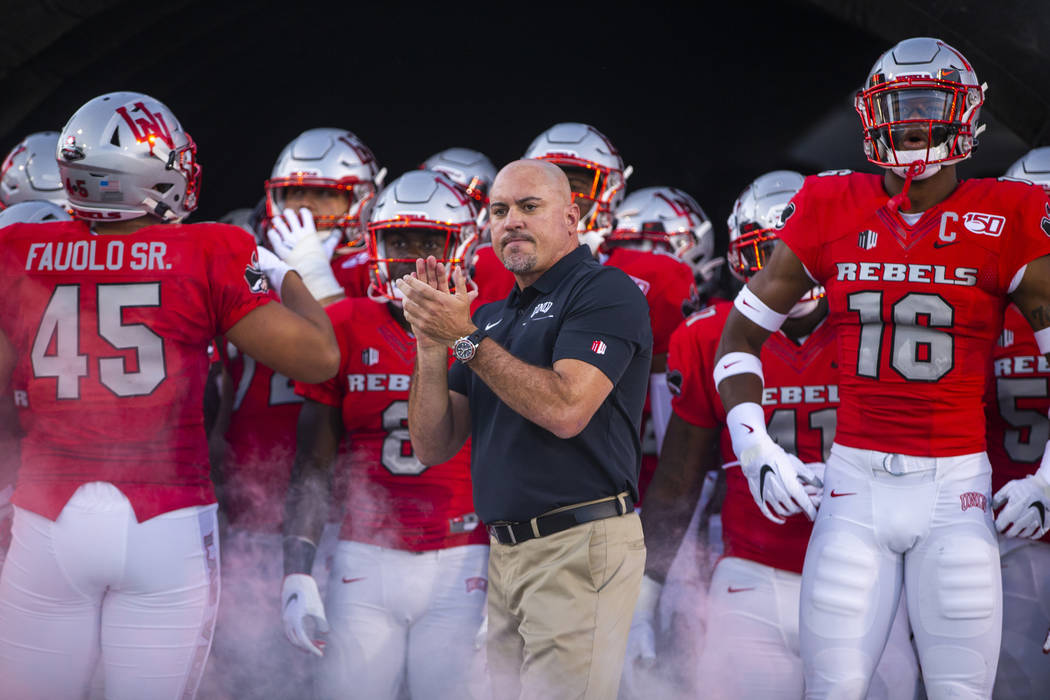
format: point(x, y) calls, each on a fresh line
point(799, 400)
point(392, 499)
point(917, 308)
point(111, 335)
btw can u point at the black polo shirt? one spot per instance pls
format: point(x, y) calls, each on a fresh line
point(582, 310)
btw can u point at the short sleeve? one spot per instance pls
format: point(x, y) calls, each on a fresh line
point(331, 391)
point(689, 371)
point(238, 284)
point(1029, 240)
point(607, 324)
point(800, 228)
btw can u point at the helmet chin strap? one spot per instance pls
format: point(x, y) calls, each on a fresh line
point(900, 200)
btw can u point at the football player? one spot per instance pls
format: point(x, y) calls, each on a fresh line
point(918, 268)
point(408, 581)
point(1016, 407)
point(12, 397)
point(29, 172)
point(334, 174)
point(753, 601)
point(473, 173)
point(595, 170)
point(105, 320)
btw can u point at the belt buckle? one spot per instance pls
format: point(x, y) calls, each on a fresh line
point(495, 529)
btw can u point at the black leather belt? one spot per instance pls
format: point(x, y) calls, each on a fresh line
point(560, 519)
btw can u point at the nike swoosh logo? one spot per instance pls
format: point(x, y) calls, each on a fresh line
point(730, 364)
point(739, 590)
point(493, 324)
point(749, 430)
point(766, 469)
point(351, 580)
point(837, 494)
point(291, 598)
point(744, 302)
point(1042, 513)
point(941, 244)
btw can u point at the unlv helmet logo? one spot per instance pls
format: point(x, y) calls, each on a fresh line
point(789, 210)
point(148, 125)
point(254, 276)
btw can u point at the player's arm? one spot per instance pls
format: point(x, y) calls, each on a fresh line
point(687, 454)
point(1025, 503)
point(294, 337)
point(305, 511)
point(774, 477)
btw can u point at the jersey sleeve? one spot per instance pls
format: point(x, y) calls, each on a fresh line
point(665, 306)
point(800, 227)
point(238, 284)
point(689, 372)
point(607, 325)
point(1029, 240)
point(331, 391)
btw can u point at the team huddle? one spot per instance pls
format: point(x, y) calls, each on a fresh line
point(208, 486)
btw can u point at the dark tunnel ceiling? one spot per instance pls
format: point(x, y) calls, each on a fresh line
point(701, 100)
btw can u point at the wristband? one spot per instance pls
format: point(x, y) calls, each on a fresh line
point(733, 363)
point(1042, 339)
point(747, 426)
point(756, 310)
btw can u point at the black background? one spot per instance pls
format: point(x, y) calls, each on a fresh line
point(703, 97)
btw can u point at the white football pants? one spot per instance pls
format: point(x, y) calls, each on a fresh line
point(397, 614)
point(888, 521)
point(1024, 670)
point(753, 624)
point(144, 594)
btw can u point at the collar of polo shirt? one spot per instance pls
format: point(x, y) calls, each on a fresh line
point(549, 280)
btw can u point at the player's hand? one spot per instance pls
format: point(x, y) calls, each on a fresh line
point(641, 640)
point(273, 267)
point(815, 489)
point(294, 239)
point(1026, 502)
point(777, 481)
point(301, 602)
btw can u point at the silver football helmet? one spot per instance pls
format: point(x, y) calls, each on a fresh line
point(655, 218)
point(471, 170)
point(30, 172)
point(419, 199)
point(34, 211)
point(595, 169)
point(758, 213)
point(328, 159)
point(920, 102)
point(124, 155)
point(1034, 167)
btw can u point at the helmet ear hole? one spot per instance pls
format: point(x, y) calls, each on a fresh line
point(162, 187)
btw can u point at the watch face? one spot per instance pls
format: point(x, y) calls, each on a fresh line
point(463, 349)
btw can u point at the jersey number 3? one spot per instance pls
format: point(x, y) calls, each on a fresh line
point(56, 347)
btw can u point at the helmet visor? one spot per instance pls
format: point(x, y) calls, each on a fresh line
point(750, 251)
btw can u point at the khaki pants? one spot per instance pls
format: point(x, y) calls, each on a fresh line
point(560, 609)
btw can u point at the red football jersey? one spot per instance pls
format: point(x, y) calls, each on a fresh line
point(261, 445)
point(799, 400)
point(666, 282)
point(917, 308)
point(494, 281)
point(351, 272)
point(111, 335)
point(392, 499)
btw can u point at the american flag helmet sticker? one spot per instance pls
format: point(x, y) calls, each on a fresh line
point(598, 347)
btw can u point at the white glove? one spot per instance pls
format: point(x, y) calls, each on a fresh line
point(1046, 643)
point(776, 478)
point(273, 267)
point(482, 634)
point(641, 640)
point(296, 242)
point(1026, 501)
point(301, 601)
point(815, 489)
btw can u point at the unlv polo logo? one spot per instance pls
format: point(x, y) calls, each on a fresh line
point(147, 125)
point(973, 499)
point(984, 224)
